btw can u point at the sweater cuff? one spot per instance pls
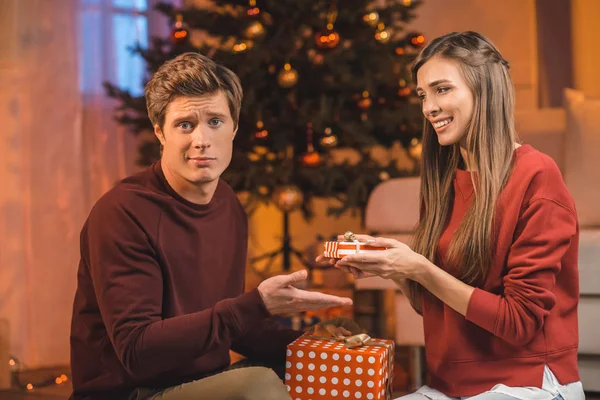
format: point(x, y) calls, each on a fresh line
point(248, 309)
point(482, 309)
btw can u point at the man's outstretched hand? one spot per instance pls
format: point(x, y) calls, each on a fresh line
point(281, 297)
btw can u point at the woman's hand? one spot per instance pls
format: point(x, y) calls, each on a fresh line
point(357, 273)
point(397, 262)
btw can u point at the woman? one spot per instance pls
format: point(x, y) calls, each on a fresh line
point(494, 266)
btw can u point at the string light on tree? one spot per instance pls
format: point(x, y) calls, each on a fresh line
point(242, 46)
point(382, 35)
point(371, 18)
point(288, 76)
point(179, 33)
point(417, 41)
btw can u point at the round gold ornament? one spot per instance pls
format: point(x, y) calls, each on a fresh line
point(415, 148)
point(329, 141)
point(288, 197)
point(288, 76)
point(384, 175)
point(254, 30)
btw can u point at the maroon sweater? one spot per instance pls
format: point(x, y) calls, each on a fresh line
point(160, 297)
point(525, 315)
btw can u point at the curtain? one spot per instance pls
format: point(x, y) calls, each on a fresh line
point(61, 150)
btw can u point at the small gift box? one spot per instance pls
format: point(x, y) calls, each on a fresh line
point(333, 249)
point(354, 367)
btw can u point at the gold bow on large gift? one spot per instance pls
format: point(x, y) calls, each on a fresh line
point(332, 333)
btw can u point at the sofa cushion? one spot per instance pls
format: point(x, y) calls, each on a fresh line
point(582, 163)
point(589, 262)
point(393, 206)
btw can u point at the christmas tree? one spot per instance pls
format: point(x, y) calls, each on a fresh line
point(319, 77)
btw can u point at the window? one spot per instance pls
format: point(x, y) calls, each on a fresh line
point(108, 30)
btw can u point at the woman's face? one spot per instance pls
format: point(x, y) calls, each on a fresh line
point(447, 101)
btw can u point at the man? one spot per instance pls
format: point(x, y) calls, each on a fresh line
point(160, 299)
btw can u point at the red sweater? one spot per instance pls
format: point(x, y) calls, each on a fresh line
point(160, 297)
point(525, 315)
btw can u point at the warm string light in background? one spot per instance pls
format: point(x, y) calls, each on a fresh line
point(17, 369)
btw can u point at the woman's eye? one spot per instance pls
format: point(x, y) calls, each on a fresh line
point(443, 89)
point(421, 97)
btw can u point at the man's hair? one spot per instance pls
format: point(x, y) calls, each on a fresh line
point(191, 74)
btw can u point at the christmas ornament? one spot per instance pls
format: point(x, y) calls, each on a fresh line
point(318, 59)
point(329, 140)
point(400, 51)
point(254, 30)
point(287, 77)
point(253, 11)
point(311, 158)
point(179, 33)
point(329, 38)
point(384, 175)
point(407, 3)
point(365, 102)
point(372, 19)
point(307, 32)
point(404, 92)
point(261, 133)
point(416, 148)
point(288, 197)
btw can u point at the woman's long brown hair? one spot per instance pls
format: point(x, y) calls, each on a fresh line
point(489, 141)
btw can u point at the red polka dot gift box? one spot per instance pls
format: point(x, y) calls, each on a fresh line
point(355, 367)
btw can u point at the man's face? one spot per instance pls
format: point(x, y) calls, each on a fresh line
point(197, 139)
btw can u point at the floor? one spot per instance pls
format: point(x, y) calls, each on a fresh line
point(62, 391)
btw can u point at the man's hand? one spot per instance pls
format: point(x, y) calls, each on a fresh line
point(281, 297)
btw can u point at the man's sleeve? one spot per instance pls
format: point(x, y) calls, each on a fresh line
point(128, 284)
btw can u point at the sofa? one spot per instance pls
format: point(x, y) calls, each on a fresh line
point(571, 136)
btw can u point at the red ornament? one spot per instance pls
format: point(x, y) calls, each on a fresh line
point(311, 159)
point(327, 39)
point(179, 34)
